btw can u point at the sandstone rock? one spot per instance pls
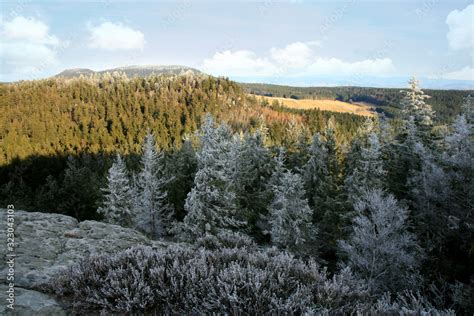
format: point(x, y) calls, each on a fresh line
point(47, 243)
point(29, 302)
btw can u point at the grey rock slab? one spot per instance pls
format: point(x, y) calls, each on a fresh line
point(47, 243)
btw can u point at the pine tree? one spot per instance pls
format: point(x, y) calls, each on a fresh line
point(290, 215)
point(117, 207)
point(153, 212)
point(380, 249)
point(212, 205)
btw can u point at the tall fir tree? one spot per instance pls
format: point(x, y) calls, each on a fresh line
point(212, 203)
point(380, 248)
point(181, 167)
point(458, 162)
point(290, 216)
point(152, 211)
point(252, 171)
point(117, 207)
point(323, 181)
point(316, 173)
point(414, 106)
point(367, 171)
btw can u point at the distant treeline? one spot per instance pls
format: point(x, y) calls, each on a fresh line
point(446, 103)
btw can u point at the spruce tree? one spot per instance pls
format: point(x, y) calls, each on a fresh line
point(458, 161)
point(290, 215)
point(316, 173)
point(367, 171)
point(252, 171)
point(322, 180)
point(181, 167)
point(117, 207)
point(380, 249)
point(152, 211)
point(212, 204)
point(414, 105)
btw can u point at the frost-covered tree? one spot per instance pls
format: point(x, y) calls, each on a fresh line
point(316, 172)
point(212, 204)
point(458, 161)
point(380, 249)
point(117, 207)
point(367, 171)
point(278, 169)
point(403, 159)
point(414, 105)
point(359, 142)
point(290, 215)
point(152, 211)
point(181, 167)
point(322, 184)
point(296, 143)
point(252, 171)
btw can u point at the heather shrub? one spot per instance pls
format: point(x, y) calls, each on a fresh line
point(181, 280)
point(226, 239)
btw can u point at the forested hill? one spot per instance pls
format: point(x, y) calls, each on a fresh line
point(58, 135)
point(446, 103)
point(132, 71)
point(111, 112)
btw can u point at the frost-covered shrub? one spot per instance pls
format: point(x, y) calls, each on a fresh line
point(226, 239)
point(407, 303)
point(340, 294)
point(180, 280)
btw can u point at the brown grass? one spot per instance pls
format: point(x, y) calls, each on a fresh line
point(324, 105)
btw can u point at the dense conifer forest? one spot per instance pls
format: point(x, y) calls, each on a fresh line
point(282, 211)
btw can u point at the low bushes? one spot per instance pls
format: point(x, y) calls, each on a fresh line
point(185, 280)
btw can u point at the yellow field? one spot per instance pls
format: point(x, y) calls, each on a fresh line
point(324, 105)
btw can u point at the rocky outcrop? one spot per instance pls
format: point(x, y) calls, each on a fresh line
point(29, 302)
point(47, 243)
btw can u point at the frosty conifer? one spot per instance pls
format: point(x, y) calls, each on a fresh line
point(117, 205)
point(380, 249)
point(414, 105)
point(367, 171)
point(152, 213)
point(290, 215)
point(212, 204)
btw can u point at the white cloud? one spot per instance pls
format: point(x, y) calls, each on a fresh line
point(29, 30)
point(115, 36)
point(294, 55)
point(295, 59)
point(332, 66)
point(466, 73)
point(239, 63)
point(27, 46)
point(461, 28)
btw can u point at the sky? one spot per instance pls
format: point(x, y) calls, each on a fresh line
point(293, 42)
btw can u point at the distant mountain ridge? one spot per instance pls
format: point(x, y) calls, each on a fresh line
point(133, 71)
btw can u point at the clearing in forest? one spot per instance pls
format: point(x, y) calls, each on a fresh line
point(323, 105)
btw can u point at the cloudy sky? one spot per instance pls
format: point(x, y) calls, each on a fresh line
point(290, 42)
